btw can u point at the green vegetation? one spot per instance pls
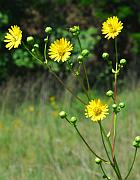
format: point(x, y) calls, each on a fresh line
point(36, 144)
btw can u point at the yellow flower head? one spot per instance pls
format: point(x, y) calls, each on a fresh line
point(96, 110)
point(112, 27)
point(13, 37)
point(60, 50)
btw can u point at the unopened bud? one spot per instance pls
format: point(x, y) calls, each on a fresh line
point(121, 105)
point(75, 30)
point(62, 114)
point(114, 106)
point(85, 53)
point(80, 58)
point(46, 40)
point(48, 30)
point(109, 93)
point(137, 139)
point(30, 39)
point(73, 120)
point(33, 50)
point(136, 144)
point(98, 160)
point(36, 46)
point(123, 61)
point(105, 55)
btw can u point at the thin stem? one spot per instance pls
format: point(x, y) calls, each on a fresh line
point(57, 77)
point(32, 53)
point(109, 144)
point(113, 166)
point(115, 100)
point(131, 164)
point(104, 173)
point(85, 71)
point(88, 146)
point(104, 142)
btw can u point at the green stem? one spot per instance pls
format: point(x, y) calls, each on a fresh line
point(104, 173)
point(131, 164)
point(88, 146)
point(109, 144)
point(31, 53)
point(45, 49)
point(85, 71)
point(113, 166)
point(57, 77)
point(115, 99)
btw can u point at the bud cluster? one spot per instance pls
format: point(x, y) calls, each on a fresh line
point(117, 108)
point(75, 30)
point(84, 54)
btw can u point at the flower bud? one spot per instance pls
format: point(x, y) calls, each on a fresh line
point(73, 120)
point(105, 55)
point(48, 30)
point(136, 144)
point(33, 50)
point(121, 105)
point(36, 46)
point(46, 40)
point(30, 39)
point(109, 93)
point(114, 106)
point(123, 61)
point(75, 30)
point(137, 139)
point(118, 109)
point(63, 114)
point(85, 53)
point(98, 160)
point(80, 58)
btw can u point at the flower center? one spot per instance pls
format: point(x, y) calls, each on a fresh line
point(112, 29)
point(97, 111)
point(61, 52)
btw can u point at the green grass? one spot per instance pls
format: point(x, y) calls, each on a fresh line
point(35, 144)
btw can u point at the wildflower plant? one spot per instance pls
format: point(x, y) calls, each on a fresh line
point(61, 51)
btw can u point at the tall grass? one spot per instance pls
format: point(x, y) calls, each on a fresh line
point(35, 144)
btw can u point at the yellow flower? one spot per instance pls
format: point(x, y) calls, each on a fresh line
point(60, 50)
point(96, 110)
point(13, 37)
point(112, 27)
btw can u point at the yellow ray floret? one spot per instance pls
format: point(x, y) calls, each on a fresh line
point(96, 110)
point(112, 27)
point(60, 50)
point(13, 37)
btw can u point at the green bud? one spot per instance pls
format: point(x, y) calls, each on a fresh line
point(75, 30)
point(63, 114)
point(137, 139)
point(114, 106)
point(123, 61)
point(80, 57)
point(136, 144)
point(30, 39)
point(33, 50)
point(98, 160)
point(109, 93)
point(118, 109)
point(85, 53)
point(73, 120)
point(46, 40)
point(105, 55)
point(48, 30)
point(36, 46)
point(121, 105)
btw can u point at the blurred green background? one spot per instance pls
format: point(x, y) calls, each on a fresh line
point(35, 144)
